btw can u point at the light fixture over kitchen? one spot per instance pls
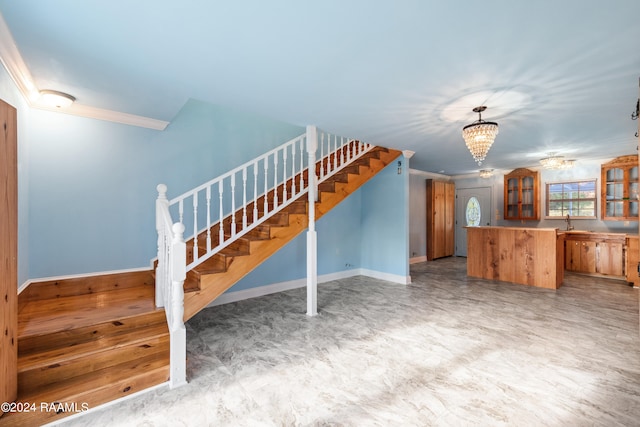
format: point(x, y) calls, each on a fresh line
point(55, 99)
point(486, 173)
point(554, 161)
point(479, 135)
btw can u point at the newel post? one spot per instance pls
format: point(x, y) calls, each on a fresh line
point(312, 239)
point(162, 205)
point(178, 344)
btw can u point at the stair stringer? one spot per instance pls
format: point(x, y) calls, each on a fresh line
point(214, 285)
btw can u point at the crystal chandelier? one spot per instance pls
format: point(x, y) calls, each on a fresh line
point(554, 161)
point(479, 136)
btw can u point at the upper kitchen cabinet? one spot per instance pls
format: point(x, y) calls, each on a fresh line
point(620, 189)
point(522, 195)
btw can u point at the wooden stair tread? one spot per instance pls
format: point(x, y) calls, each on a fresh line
point(98, 379)
point(39, 317)
point(59, 355)
point(94, 388)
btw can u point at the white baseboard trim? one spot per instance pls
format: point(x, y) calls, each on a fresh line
point(26, 284)
point(417, 259)
point(395, 278)
point(273, 288)
point(107, 404)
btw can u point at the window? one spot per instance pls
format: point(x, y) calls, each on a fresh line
point(576, 199)
point(473, 212)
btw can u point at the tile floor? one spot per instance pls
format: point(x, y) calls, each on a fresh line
point(447, 350)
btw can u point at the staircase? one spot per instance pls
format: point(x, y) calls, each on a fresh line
point(84, 342)
point(87, 341)
point(210, 279)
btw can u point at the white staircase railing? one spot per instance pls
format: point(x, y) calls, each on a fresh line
point(222, 210)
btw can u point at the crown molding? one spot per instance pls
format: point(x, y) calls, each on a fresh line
point(19, 72)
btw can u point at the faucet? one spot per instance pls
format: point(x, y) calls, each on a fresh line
point(568, 221)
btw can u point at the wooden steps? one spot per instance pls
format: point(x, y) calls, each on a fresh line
point(213, 277)
point(82, 348)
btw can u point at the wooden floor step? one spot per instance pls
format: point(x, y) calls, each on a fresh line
point(328, 185)
point(191, 282)
point(38, 370)
point(218, 263)
point(234, 251)
point(76, 319)
point(84, 360)
point(90, 390)
point(260, 232)
point(84, 285)
point(299, 206)
point(280, 219)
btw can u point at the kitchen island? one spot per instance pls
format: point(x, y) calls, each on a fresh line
point(527, 256)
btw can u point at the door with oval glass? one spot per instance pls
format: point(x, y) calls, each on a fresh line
point(473, 208)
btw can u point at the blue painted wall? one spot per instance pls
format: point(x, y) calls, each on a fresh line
point(87, 192)
point(339, 243)
point(92, 183)
point(385, 221)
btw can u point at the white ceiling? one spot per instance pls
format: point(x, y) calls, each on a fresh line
point(558, 76)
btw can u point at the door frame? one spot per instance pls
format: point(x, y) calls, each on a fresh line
point(8, 252)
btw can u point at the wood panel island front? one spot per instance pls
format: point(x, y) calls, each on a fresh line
point(527, 256)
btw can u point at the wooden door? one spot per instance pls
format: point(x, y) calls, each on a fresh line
point(588, 257)
point(8, 254)
point(572, 255)
point(610, 259)
point(449, 220)
point(440, 219)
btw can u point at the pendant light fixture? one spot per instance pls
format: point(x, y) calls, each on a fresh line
point(554, 161)
point(486, 173)
point(479, 135)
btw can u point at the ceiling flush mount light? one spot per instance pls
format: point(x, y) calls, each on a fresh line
point(486, 173)
point(479, 135)
point(553, 161)
point(55, 99)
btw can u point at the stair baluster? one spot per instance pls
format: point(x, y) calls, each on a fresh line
point(221, 215)
point(233, 204)
point(244, 199)
point(208, 195)
point(255, 191)
point(284, 175)
point(275, 181)
point(266, 186)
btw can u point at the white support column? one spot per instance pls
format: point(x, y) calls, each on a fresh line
point(161, 203)
point(312, 239)
point(177, 330)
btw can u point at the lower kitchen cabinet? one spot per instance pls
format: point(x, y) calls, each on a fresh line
point(596, 253)
point(632, 258)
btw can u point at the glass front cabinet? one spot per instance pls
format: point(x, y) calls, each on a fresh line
point(619, 186)
point(522, 195)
